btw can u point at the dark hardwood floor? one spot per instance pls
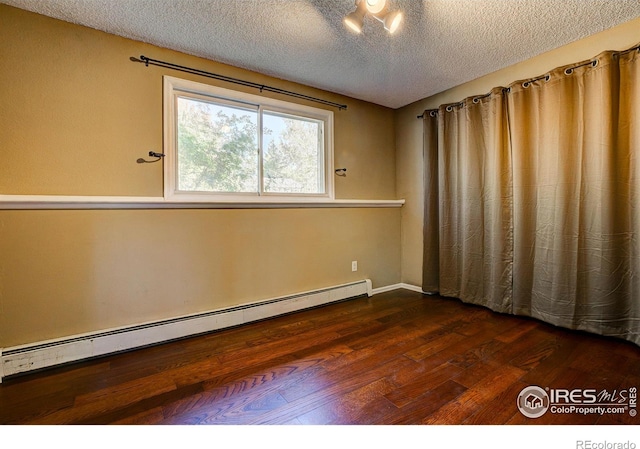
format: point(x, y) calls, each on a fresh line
point(395, 358)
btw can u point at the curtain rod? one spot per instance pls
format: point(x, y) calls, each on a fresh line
point(432, 113)
point(148, 61)
point(568, 71)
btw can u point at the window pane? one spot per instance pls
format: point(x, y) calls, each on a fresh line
point(293, 154)
point(217, 147)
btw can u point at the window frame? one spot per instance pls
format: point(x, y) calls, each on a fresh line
point(178, 87)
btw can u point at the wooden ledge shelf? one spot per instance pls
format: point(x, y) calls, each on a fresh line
point(55, 202)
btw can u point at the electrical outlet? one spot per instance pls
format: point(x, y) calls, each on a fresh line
point(354, 265)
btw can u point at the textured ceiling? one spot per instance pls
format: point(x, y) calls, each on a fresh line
point(441, 43)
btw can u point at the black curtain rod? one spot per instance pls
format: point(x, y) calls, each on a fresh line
point(568, 71)
point(431, 112)
point(148, 61)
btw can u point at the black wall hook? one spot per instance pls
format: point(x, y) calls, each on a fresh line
point(152, 154)
point(341, 172)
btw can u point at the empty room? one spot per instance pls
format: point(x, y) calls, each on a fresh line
point(316, 212)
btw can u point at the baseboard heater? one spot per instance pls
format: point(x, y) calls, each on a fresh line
point(30, 357)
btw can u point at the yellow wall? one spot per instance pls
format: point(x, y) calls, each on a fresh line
point(76, 114)
point(409, 129)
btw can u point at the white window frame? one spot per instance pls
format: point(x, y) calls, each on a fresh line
point(175, 87)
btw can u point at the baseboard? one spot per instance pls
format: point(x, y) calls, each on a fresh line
point(45, 354)
point(386, 288)
point(398, 286)
point(413, 288)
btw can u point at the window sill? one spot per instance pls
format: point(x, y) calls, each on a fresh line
point(58, 202)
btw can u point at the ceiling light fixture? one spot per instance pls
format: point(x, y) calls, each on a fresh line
point(355, 20)
point(392, 21)
point(377, 8)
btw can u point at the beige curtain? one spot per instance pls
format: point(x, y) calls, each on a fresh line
point(473, 220)
point(539, 195)
point(576, 187)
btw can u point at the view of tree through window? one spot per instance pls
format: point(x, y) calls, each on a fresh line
point(218, 150)
point(217, 147)
point(293, 158)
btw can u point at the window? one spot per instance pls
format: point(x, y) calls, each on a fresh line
point(223, 145)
